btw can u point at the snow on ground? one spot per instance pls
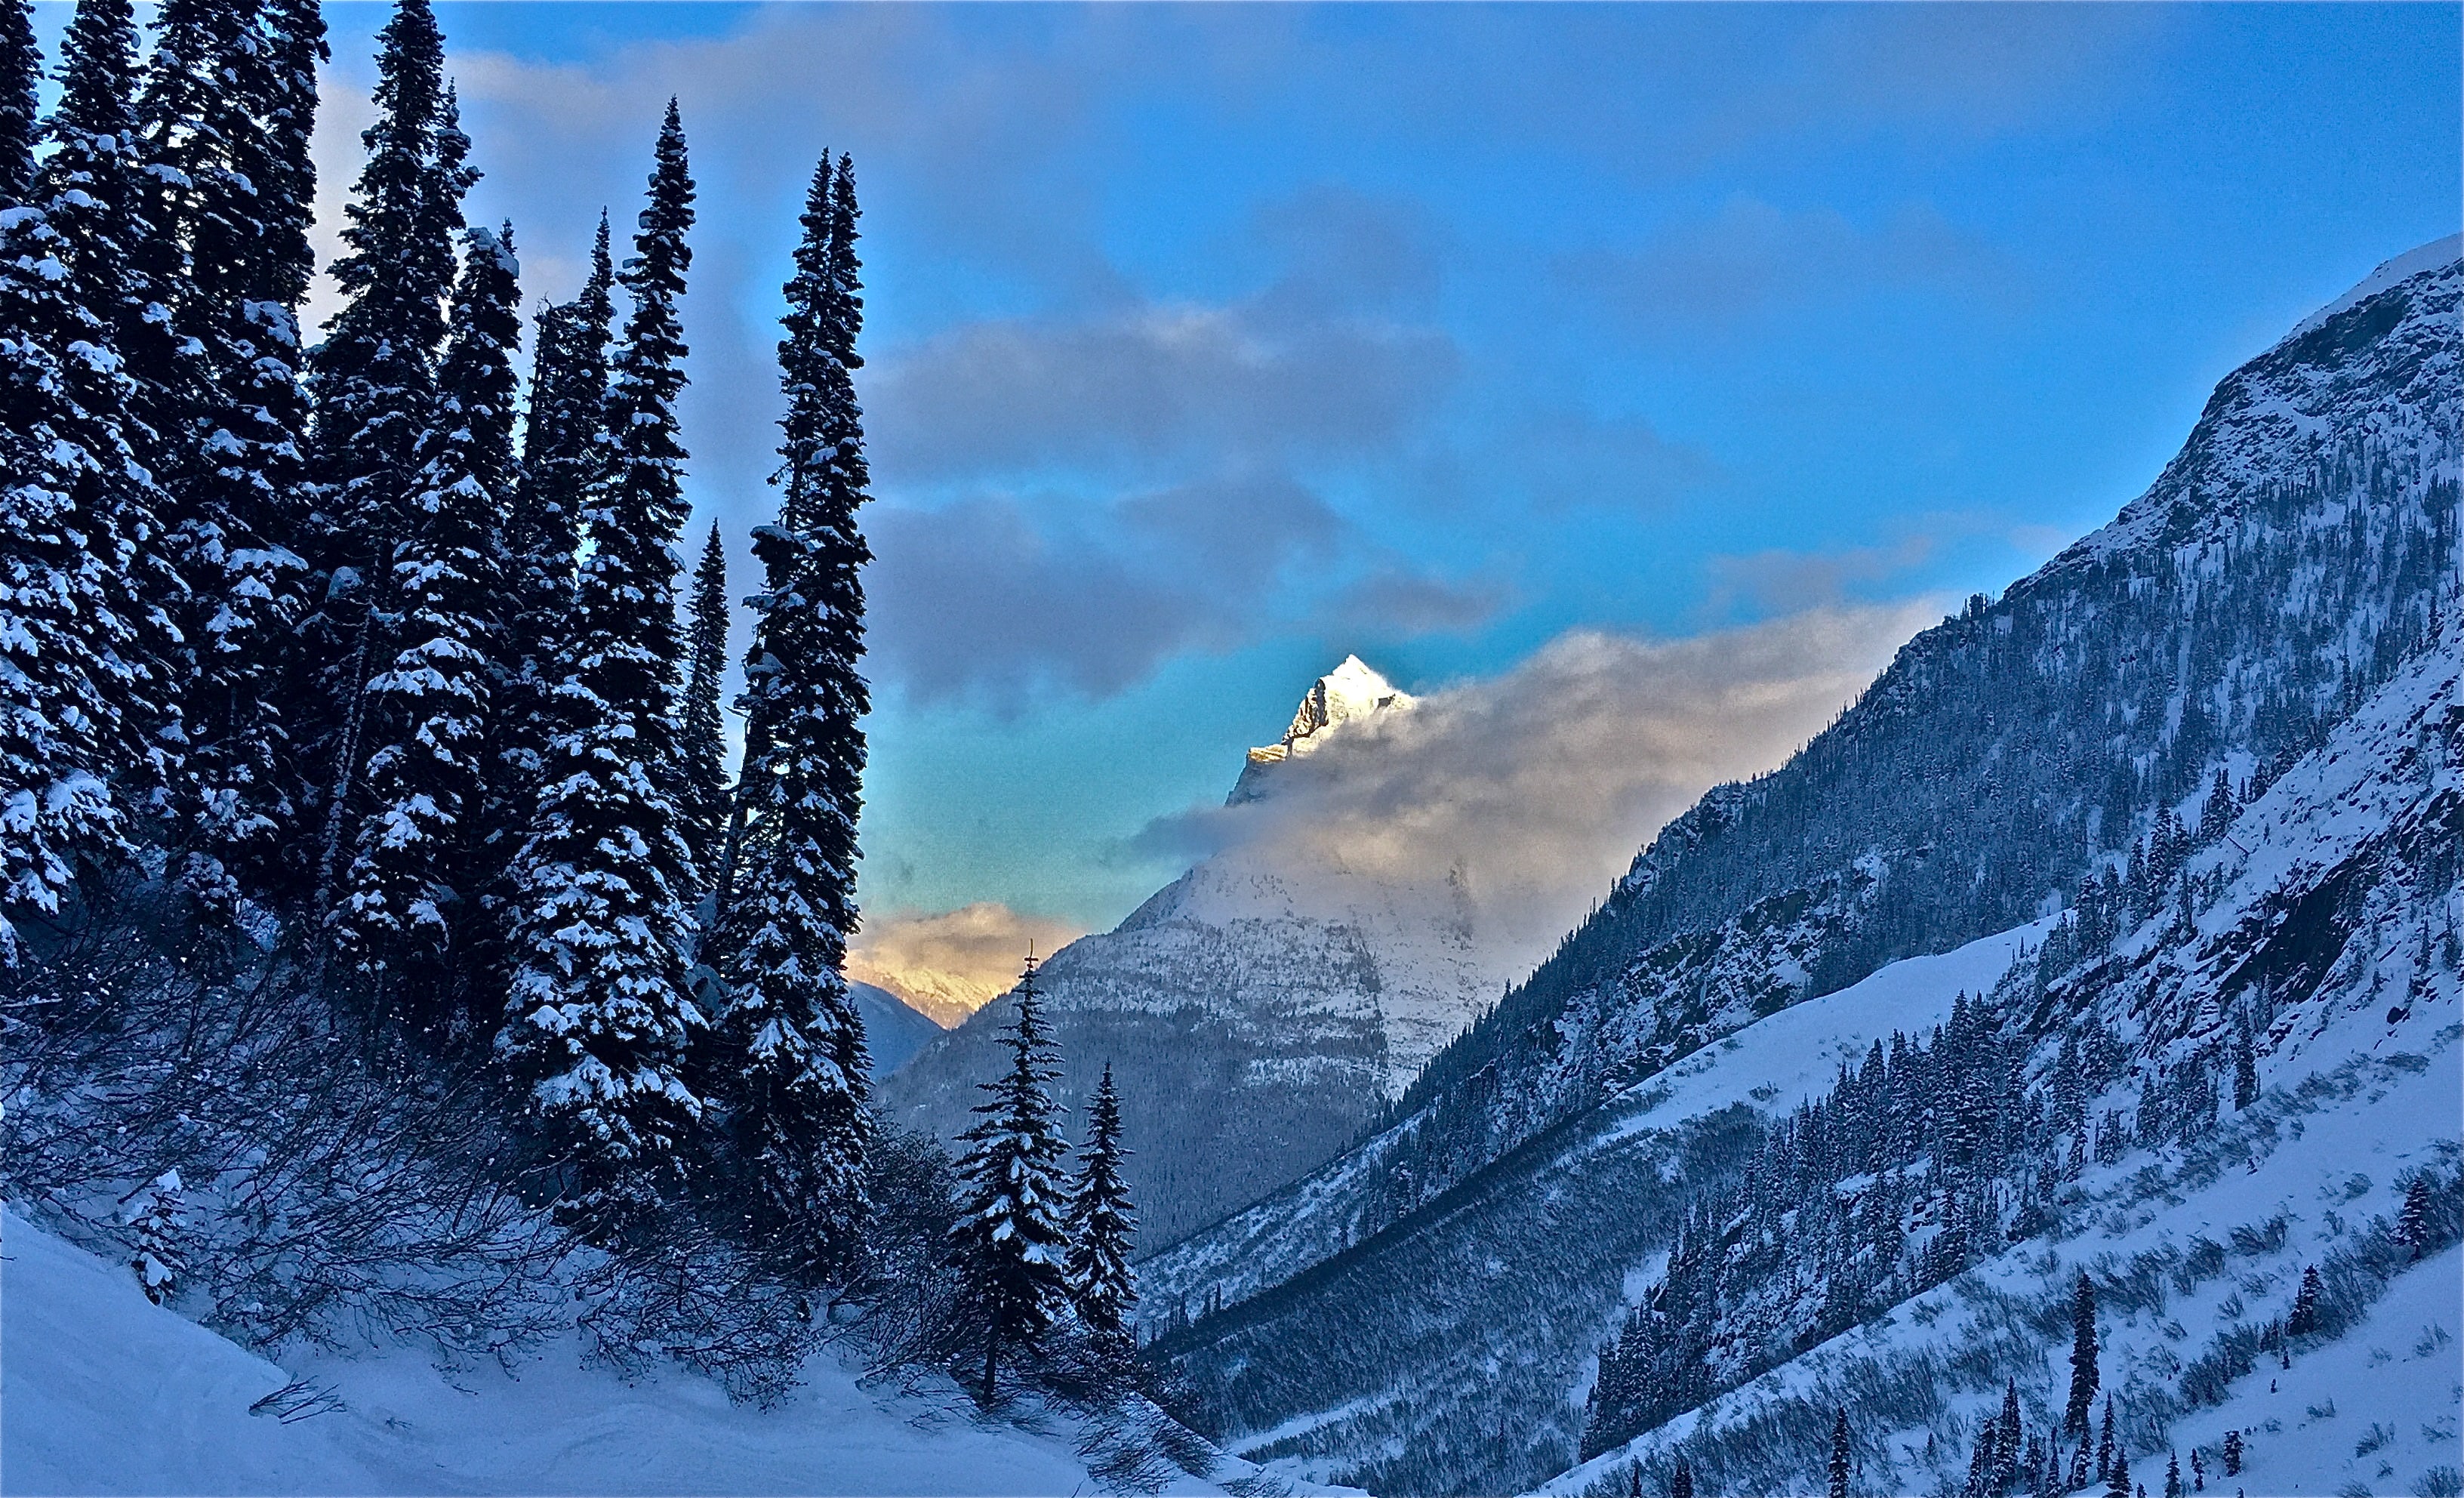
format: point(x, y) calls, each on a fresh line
point(2376, 1410)
point(2344, 1122)
point(101, 1392)
point(1796, 1055)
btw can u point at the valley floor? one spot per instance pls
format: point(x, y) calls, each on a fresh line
point(103, 1392)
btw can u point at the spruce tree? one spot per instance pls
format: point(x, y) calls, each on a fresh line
point(564, 449)
point(155, 1219)
point(20, 65)
point(1010, 1242)
point(374, 381)
point(702, 734)
point(2304, 1318)
point(87, 190)
point(62, 673)
point(2006, 1445)
point(221, 395)
point(296, 48)
point(2172, 1474)
point(2085, 1378)
point(2413, 1221)
point(1981, 1463)
point(409, 899)
point(2117, 1483)
point(1840, 1453)
point(804, 697)
point(1101, 1224)
point(636, 512)
point(1680, 1483)
point(795, 1044)
point(600, 1017)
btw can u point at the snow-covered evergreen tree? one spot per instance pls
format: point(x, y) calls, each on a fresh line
point(2085, 1378)
point(600, 1019)
point(2412, 1220)
point(804, 697)
point(795, 1042)
point(296, 48)
point(1101, 1224)
point(1840, 1453)
point(87, 190)
point(702, 734)
point(374, 378)
point(2304, 1318)
point(409, 899)
point(223, 401)
point(20, 65)
point(63, 677)
point(564, 449)
point(1011, 1242)
point(155, 1218)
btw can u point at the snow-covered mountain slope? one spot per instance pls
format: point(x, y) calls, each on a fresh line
point(1480, 1315)
point(2293, 571)
point(2332, 923)
point(892, 1029)
point(104, 1392)
point(1257, 1013)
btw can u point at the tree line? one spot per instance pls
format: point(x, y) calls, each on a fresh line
point(306, 632)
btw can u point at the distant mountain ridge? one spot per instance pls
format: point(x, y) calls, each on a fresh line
point(1259, 1012)
point(894, 1030)
point(2296, 559)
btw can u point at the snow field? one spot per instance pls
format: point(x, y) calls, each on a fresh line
point(104, 1392)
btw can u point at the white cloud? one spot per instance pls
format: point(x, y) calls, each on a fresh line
point(1541, 784)
point(948, 964)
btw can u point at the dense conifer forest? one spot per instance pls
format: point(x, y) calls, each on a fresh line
point(386, 945)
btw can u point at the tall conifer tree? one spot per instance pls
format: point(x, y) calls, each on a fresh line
point(600, 1017)
point(1838, 1471)
point(87, 190)
point(1010, 1242)
point(1102, 1226)
point(20, 67)
point(565, 450)
point(374, 378)
point(411, 902)
point(62, 671)
point(804, 696)
point(220, 395)
point(2085, 1378)
point(296, 47)
point(703, 742)
point(790, 1019)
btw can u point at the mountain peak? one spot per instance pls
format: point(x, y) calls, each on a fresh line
point(1349, 690)
point(1352, 690)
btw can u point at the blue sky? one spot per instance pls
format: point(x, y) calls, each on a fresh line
point(1208, 344)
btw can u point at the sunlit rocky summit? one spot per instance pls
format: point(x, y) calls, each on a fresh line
point(1350, 692)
